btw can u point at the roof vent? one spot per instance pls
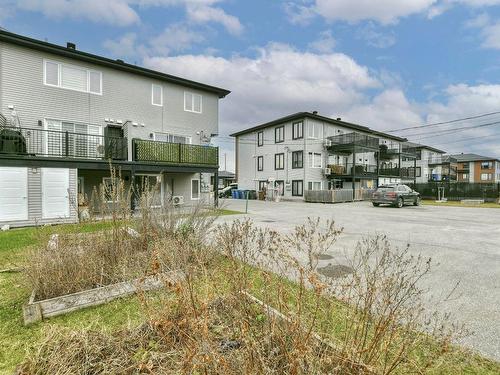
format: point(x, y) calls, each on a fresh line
point(339, 119)
point(315, 112)
point(120, 61)
point(70, 45)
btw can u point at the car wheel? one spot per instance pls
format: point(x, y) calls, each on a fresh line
point(417, 202)
point(400, 203)
point(375, 204)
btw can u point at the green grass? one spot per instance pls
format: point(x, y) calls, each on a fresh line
point(459, 204)
point(15, 338)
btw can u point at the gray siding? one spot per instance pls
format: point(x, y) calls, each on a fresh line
point(125, 96)
point(35, 201)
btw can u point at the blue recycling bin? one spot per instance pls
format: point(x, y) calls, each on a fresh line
point(234, 194)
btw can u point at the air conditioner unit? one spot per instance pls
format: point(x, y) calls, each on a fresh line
point(177, 200)
point(327, 171)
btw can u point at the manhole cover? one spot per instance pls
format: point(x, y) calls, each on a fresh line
point(324, 257)
point(335, 271)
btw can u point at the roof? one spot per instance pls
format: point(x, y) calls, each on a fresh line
point(302, 115)
point(421, 146)
point(471, 157)
point(8, 37)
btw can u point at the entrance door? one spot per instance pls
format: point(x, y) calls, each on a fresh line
point(151, 183)
point(55, 193)
point(13, 194)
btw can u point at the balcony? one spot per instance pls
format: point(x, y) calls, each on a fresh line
point(394, 172)
point(37, 143)
point(352, 142)
point(387, 152)
point(408, 150)
point(174, 153)
point(359, 170)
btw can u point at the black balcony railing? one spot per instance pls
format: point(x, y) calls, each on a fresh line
point(353, 140)
point(394, 171)
point(174, 153)
point(34, 142)
point(350, 169)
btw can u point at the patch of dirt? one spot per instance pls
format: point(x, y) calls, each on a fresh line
point(335, 271)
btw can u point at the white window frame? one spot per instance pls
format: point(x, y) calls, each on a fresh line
point(312, 156)
point(59, 76)
point(189, 140)
point(153, 85)
point(311, 183)
point(47, 132)
point(199, 189)
point(192, 102)
point(311, 130)
point(487, 176)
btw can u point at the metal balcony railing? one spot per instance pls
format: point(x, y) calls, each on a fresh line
point(348, 169)
point(394, 171)
point(174, 153)
point(352, 140)
point(34, 142)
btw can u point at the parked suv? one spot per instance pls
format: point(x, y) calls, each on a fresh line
point(396, 195)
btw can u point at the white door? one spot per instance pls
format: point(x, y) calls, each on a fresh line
point(13, 194)
point(55, 194)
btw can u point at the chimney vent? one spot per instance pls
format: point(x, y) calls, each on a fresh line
point(339, 119)
point(70, 45)
point(315, 112)
point(120, 61)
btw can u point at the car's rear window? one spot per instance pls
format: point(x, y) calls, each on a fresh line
point(386, 188)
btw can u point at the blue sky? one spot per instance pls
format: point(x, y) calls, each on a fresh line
point(387, 64)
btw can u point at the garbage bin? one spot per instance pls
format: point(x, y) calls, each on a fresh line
point(234, 194)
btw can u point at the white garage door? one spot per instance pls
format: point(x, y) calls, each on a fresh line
point(55, 195)
point(13, 194)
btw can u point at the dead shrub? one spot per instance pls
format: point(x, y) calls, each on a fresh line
point(238, 312)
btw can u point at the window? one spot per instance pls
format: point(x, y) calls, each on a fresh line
point(314, 131)
point(315, 160)
point(486, 177)
point(486, 165)
point(192, 102)
point(73, 139)
point(260, 139)
point(314, 185)
point(297, 188)
point(260, 163)
point(262, 185)
point(72, 77)
point(279, 161)
point(298, 130)
point(195, 189)
point(279, 134)
point(110, 189)
point(157, 95)
point(465, 176)
point(297, 159)
point(172, 138)
point(418, 172)
point(419, 155)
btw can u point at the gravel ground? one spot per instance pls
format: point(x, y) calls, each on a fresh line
point(464, 244)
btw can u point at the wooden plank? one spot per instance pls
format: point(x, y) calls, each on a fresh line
point(35, 311)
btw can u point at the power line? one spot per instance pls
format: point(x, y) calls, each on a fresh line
point(443, 122)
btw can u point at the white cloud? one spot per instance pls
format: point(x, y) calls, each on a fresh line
point(489, 30)
point(177, 37)
point(383, 11)
point(115, 12)
point(123, 47)
point(325, 43)
point(204, 13)
point(278, 81)
point(376, 38)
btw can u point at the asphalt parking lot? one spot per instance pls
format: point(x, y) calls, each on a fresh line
point(463, 242)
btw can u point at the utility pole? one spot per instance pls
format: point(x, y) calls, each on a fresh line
point(225, 166)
